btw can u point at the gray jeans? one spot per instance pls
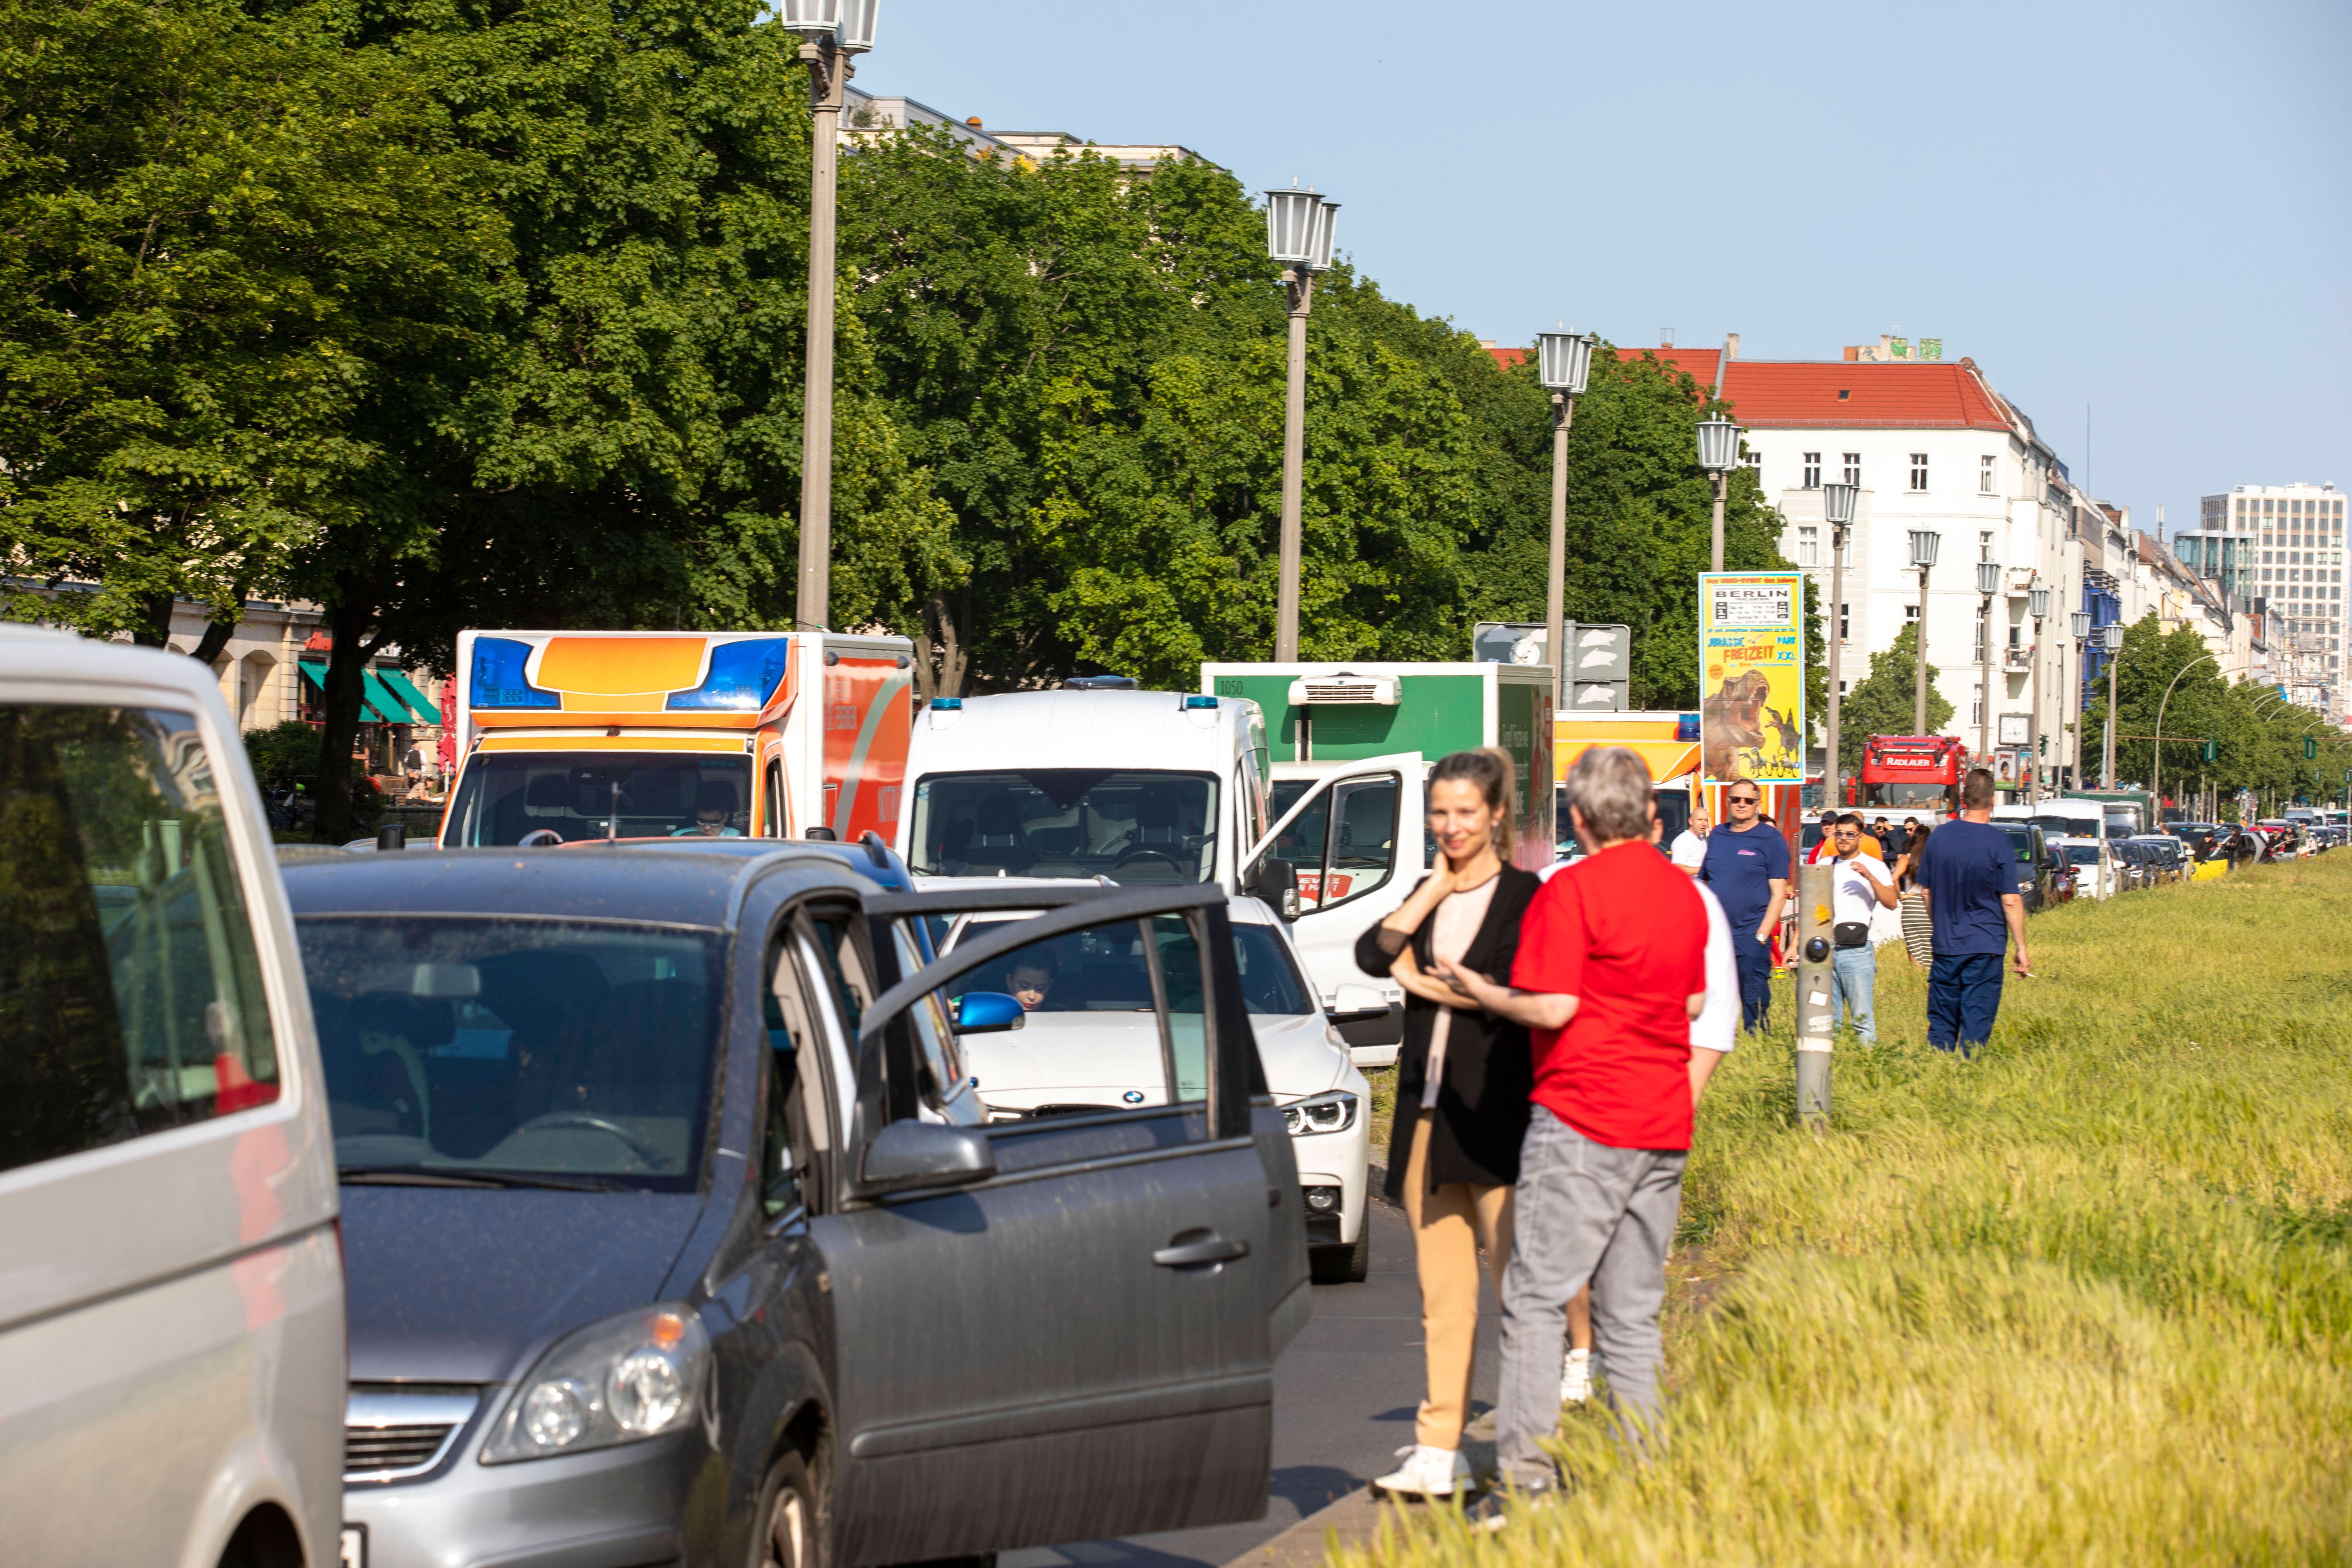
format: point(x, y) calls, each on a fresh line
point(1583, 1211)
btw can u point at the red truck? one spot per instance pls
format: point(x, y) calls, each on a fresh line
point(1913, 773)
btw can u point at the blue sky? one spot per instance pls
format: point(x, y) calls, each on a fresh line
point(2139, 209)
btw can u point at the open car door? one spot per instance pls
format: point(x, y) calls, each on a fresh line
point(1354, 835)
point(1059, 1327)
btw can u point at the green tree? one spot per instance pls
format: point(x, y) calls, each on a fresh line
point(212, 220)
point(1884, 701)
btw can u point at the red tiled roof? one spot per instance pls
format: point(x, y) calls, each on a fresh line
point(1838, 395)
point(1509, 358)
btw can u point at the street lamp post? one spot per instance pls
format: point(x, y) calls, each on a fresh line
point(1924, 545)
point(2082, 625)
point(1562, 358)
point(2155, 768)
point(1719, 449)
point(1988, 584)
point(832, 32)
point(2037, 600)
point(1837, 506)
point(2112, 637)
point(1298, 225)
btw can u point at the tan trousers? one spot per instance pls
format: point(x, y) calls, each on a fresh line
point(1449, 1227)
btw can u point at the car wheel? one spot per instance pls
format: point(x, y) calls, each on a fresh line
point(791, 1518)
point(1343, 1265)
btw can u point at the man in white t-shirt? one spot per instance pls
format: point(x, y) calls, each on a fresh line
point(1859, 886)
point(1689, 848)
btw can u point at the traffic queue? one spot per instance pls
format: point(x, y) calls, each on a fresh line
point(751, 1132)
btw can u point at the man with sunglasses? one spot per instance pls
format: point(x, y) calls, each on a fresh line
point(1747, 864)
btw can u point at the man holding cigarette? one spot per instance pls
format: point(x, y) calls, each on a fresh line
point(1968, 871)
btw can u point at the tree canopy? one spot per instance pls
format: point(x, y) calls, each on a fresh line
point(442, 314)
point(1885, 702)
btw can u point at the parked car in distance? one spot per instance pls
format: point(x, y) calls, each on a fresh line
point(172, 1303)
point(656, 1162)
point(2092, 866)
point(1090, 1045)
point(2034, 867)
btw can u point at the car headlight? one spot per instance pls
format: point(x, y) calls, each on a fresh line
point(637, 1375)
point(1333, 1112)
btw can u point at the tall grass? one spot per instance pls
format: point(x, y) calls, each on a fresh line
point(2087, 1300)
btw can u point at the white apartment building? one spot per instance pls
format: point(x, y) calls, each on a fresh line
point(2292, 546)
point(1933, 447)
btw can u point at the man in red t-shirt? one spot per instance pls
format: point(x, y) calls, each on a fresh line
point(1612, 969)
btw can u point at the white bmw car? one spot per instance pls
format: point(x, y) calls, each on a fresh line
point(1087, 1042)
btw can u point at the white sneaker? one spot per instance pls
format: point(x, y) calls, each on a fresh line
point(1576, 1378)
point(1426, 1473)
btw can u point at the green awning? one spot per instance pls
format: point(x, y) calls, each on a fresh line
point(408, 693)
point(377, 704)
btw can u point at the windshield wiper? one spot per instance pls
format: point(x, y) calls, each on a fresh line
point(408, 1176)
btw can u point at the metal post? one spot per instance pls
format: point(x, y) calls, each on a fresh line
point(829, 72)
point(2106, 763)
point(1301, 284)
point(1563, 414)
point(1984, 714)
point(1919, 698)
point(1714, 552)
point(2033, 724)
point(1831, 799)
point(1816, 1009)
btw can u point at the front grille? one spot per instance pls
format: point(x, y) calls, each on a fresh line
point(391, 1430)
point(371, 1448)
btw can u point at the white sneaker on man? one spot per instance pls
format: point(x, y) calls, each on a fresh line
point(1426, 1473)
point(1576, 1378)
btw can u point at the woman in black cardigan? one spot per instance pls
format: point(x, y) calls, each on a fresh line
point(1463, 1080)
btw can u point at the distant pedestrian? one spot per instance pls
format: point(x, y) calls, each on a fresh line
point(1969, 873)
point(1918, 930)
point(1612, 969)
point(1689, 846)
point(1463, 1079)
point(1859, 887)
point(1747, 864)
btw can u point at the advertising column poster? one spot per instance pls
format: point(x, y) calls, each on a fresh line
point(1751, 662)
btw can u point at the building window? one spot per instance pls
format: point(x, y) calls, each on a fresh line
point(1854, 469)
point(1984, 544)
point(1987, 472)
point(1919, 470)
point(1979, 651)
point(1809, 546)
point(1749, 458)
point(1910, 613)
point(1812, 478)
point(1976, 709)
point(1845, 622)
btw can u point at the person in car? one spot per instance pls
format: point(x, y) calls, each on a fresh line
point(1463, 1081)
point(714, 805)
point(1031, 979)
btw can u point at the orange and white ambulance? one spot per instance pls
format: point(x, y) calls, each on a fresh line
point(570, 736)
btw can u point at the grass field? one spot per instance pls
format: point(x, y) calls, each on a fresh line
point(2087, 1300)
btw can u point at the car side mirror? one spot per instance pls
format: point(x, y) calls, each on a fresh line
point(1276, 883)
point(908, 1155)
point(989, 1013)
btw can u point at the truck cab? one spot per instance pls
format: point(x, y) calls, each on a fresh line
point(571, 736)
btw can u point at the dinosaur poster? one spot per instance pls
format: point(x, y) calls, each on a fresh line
point(1751, 661)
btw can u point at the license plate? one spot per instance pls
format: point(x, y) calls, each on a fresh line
point(353, 1554)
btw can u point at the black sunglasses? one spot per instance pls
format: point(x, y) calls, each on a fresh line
point(1743, 799)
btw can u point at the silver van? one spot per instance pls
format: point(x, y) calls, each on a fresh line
point(172, 1367)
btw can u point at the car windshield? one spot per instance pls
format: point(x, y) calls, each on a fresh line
point(2082, 853)
point(506, 796)
point(1133, 825)
point(1102, 970)
point(1907, 794)
point(2023, 843)
point(492, 1047)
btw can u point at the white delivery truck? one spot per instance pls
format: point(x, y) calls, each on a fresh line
point(1139, 788)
